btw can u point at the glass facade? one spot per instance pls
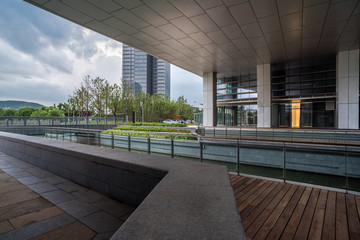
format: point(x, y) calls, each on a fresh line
point(304, 96)
point(145, 72)
point(236, 100)
point(237, 88)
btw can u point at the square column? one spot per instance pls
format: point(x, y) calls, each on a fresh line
point(209, 99)
point(347, 89)
point(264, 96)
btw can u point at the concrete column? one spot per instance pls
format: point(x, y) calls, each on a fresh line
point(347, 89)
point(209, 99)
point(264, 96)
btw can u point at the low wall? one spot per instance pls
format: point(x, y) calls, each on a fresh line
point(175, 199)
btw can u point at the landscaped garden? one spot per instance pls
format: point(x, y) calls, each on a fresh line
point(154, 130)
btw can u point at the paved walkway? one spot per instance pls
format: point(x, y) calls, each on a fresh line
point(275, 210)
point(36, 204)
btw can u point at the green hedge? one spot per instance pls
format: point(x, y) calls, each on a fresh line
point(157, 124)
point(152, 129)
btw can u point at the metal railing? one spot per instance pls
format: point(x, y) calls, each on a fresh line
point(328, 165)
point(53, 121)
point(337, 137)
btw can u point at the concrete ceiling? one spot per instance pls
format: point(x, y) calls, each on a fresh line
point(224, 36)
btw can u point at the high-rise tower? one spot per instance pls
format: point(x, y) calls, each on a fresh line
point(147, 73)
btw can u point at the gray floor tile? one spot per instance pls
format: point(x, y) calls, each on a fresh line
point(29, 180)
point(115, 208)
point(20, 174)
point(42, 187)
point(102, 222)
point(102, 236)
point(57, 196)
point(55, 180)
point(39, 228)
point(70, 187)
point(89, 195)
point(77, 208)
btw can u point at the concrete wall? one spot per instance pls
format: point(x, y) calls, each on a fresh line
point(179, 199)
point(347, 88)
point(209, 99)
point(264, 95)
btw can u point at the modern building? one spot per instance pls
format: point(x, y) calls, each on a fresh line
point(264, 63)
point(145, 72)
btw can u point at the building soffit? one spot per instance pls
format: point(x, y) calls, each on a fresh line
point(229, 37)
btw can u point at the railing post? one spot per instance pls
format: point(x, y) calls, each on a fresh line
point(149, 147)
point(97, 121)
point(7, 122)
point(129, 143)
point(238, 158)
point(99, 137)
point(201, 150)
point(225, 133)
point(39, 121)
point(284, 164)
point(112, 140)
point(52, 121)
point(172, 147)
point(24, 119)
point(87, 120)
point(346, 169)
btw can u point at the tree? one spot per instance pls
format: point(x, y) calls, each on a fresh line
point(8, 112)
point(115, 99)
point(25, 111)
point(97, 92)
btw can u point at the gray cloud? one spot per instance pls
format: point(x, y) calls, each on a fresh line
point(44, 57)
point(187, 84)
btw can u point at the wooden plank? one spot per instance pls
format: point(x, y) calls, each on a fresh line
point(353, 218)
point(254, 222)
point(264, 230)
point(242, 184)
point(357, 200)
point(234, 178)
point(328, 232)
point(248, 193)
point(253, 196)
point(305, 222)
point(238, 182)
point(247, 188)
point(341, 220)
point(318, 219)
point(252, 206)
point(293, 223)
point(280, 225)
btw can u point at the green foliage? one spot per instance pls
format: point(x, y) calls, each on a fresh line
point(157, 124)
point(25, 111)
point(102, 98)
point(56, 113)
point(152, 129)
point(8, 112)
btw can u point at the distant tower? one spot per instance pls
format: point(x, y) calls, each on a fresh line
point(147, 73)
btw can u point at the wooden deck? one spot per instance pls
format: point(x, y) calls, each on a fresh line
point(275, 210)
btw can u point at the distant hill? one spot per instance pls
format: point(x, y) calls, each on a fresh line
point(18, 104)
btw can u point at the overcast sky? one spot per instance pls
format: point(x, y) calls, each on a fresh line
point(43, 58)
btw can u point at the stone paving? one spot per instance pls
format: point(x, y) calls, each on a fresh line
point(36, 204)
